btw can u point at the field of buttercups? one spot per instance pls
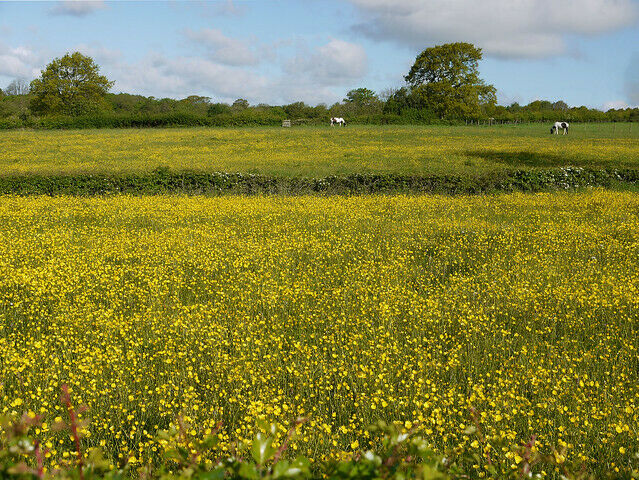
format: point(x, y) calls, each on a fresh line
point(344, 310)
point(319, 151)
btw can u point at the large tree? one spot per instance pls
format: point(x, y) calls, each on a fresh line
point(70, 85)
point(446, 79)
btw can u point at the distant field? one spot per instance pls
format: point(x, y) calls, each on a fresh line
point(345, 310)
point(319, 151)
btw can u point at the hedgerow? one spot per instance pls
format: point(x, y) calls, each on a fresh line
point(162, 181)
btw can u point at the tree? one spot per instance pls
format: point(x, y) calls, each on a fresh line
point(296, 110)
point(17, 87)
point(362, 100)
point(196, 100)
point(560, 105)
point(218, 109)
point(70, 85)
point(240, 104)
point(446, 79)
point(539, 106)
point(397, 100)
point(361, 97)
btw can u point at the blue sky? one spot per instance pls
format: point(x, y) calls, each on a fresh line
point(585, 52)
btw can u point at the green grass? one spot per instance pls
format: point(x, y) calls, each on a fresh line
point(320, 151)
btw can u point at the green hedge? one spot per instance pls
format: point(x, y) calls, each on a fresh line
point(162, 180)
point(177, 119)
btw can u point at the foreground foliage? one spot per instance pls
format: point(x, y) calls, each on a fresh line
point(347, 311)
point(399, 455)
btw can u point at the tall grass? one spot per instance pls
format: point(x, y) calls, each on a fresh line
point(347, 311)
point(319, 151)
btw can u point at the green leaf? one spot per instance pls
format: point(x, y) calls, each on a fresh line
point(248, 470)
point(217, 474)
point(209, 442)
point(281, 469)
point(262, 448)
point(298, 468)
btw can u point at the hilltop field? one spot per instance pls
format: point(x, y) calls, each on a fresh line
point(480, 322)
point(320, 151)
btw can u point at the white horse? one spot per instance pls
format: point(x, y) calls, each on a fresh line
point(555, 128)
point(338, 121)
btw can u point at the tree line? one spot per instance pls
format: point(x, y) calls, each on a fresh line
point(442, 86)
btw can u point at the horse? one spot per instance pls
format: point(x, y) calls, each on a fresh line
point(338, 121)
point(555, 128)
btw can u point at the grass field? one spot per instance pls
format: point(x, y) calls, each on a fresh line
point(346, 310)
point(320, 151)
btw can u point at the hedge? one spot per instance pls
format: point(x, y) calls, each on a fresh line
point(164, 181)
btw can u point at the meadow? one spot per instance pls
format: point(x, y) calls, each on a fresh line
point(345, 310)
point(319, 151)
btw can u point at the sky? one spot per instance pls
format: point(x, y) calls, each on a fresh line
point(585, 52)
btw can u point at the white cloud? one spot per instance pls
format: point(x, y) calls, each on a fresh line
point(310, 78)
point(229, 7)
point(77, 8)
point(512, 29)
point(180, 77)
point(227, 72)
point(100, 54)
point(19, 62)
point(226, 50)
point(336, 63)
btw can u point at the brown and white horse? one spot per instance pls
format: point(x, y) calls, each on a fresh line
point(338, 121)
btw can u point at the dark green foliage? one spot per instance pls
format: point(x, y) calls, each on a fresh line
point(240, 104)
point(218, 109)
point(402, 106)
point(361, 101)
point(163, 181)
point(361, 96)
point(300, 111)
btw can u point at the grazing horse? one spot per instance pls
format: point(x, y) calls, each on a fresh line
point(555, 128)
point(338, 121)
